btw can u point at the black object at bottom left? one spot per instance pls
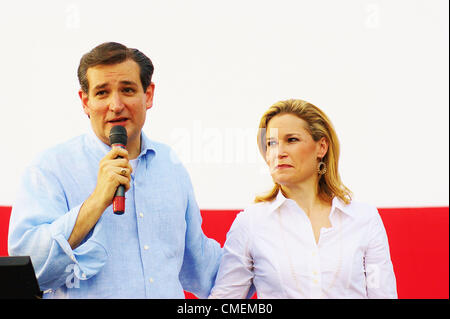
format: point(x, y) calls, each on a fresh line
point(18, 279)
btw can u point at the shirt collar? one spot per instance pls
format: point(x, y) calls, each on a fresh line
point(336, 204)
point(277, 202)
point(343, 207)
point(146, 144)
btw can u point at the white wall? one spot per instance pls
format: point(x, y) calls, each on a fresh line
point(379, 69)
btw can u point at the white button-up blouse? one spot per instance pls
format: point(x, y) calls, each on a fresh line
point(272, 246)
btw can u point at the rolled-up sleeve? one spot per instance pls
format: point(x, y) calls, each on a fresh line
point(41, 223)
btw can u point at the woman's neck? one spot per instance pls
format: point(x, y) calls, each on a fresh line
point(306, 196)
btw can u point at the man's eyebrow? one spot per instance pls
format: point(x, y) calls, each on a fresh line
point(128, 83)
point(100, 86)
point(104, 85)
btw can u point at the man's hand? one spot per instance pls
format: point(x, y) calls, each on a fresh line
point(112, 172)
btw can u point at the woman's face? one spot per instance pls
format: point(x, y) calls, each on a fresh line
point(292, 154)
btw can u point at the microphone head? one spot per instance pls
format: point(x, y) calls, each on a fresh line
point(118, 135)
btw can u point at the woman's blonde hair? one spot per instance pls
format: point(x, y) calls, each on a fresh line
point(318, 125)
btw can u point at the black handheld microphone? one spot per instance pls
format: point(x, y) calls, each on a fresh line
point(118, 137)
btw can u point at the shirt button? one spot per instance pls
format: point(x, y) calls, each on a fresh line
point(315, 281)
point(314, 273)
point(83, 275)
point(146, 247)
point(141, 215)
point(151, 280)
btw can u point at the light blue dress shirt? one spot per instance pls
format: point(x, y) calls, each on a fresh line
point(156, 249)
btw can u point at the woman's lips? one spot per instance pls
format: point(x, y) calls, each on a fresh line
point(281, 166)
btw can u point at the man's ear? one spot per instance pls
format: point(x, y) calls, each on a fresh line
point(149, 95)
point(84, 100)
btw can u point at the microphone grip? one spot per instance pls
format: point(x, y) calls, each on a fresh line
point(119, 201)
point(119, 196)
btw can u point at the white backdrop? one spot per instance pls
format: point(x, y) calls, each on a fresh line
point(379, 69)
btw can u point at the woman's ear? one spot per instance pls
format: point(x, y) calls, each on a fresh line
point(322, 147)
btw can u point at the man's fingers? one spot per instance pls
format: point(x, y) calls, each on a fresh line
point(116, 163)
point(116, 152)
point(124, 171)
point(125, 181)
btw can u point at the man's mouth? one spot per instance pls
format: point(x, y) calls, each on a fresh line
point(117, 121)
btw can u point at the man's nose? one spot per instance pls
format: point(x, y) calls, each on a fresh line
point(115, 104)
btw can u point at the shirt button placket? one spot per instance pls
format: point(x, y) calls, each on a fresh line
point(315, 274)
point(145, 249)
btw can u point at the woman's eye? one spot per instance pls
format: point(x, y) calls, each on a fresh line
point(292, 139)
point(271, 143)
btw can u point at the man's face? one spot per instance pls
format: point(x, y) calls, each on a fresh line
point(116, 97)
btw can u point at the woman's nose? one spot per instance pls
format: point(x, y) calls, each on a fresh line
point(281, 151)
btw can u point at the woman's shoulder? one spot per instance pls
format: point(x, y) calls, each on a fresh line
point(257, 209)
point(249, 220)
point(254, 214)
point(358, 209)
point(252, 211)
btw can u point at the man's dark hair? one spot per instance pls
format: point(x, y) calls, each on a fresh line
point(112, 53)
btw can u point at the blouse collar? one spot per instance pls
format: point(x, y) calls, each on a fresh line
point(335, 204)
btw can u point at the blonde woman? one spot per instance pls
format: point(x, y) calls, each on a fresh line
point(306, 238)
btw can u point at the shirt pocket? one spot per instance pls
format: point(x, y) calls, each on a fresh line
point(171, 229)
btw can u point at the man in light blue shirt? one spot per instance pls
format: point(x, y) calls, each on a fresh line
point(63, 215)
